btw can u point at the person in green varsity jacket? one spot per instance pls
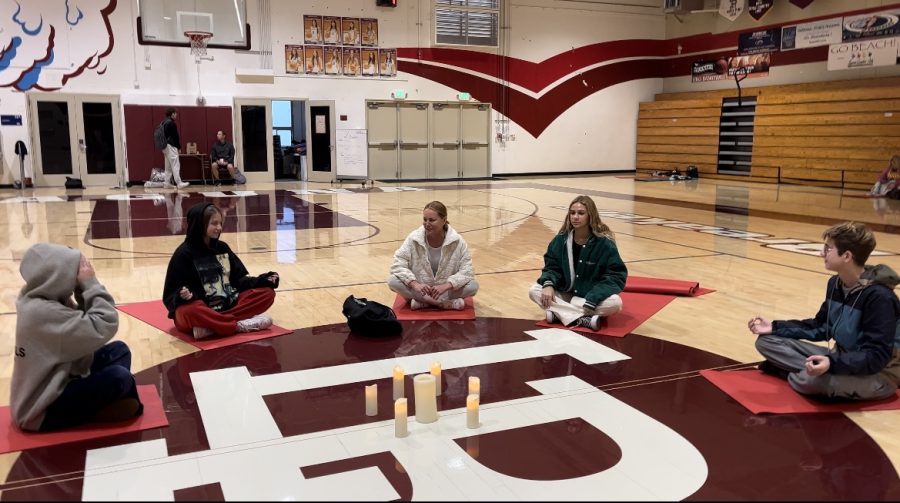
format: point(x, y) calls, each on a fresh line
point(583, 272)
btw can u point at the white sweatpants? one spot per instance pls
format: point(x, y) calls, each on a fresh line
point(173, 164)
point(568, 308)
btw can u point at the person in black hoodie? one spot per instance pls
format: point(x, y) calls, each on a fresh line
point(860, 321)
point(207, 289)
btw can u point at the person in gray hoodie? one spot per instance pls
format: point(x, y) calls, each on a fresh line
point(64, 373)
point(859, 320)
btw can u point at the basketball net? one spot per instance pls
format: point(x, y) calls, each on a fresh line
point(199, 41)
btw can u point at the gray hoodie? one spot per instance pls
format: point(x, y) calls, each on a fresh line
point(56, 335)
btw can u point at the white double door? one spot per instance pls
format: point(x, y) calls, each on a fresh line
point(427, 140)
point(78, 136)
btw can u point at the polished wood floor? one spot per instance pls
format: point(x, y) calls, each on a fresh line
point(507, 224)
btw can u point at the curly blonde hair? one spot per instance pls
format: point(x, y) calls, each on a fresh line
point(598, 228)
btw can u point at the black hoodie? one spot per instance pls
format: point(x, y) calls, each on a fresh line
point(214, 274)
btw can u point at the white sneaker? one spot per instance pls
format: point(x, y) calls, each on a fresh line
point(592, 322)
point(258, 322)
point(167, 185)
point(415, 305)
point(454, 304)
point(182, 185)
point(202, 332)
point(551, 318)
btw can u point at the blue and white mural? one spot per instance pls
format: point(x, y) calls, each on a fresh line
point(45, 43)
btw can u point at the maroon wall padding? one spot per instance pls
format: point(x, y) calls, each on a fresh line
point(195, 124)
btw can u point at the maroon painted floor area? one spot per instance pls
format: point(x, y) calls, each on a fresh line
point(787, 457)
point(166, 217)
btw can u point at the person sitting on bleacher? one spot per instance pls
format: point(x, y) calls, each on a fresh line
point(221, 155)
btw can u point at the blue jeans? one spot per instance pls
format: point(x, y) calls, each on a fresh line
point(110, 380)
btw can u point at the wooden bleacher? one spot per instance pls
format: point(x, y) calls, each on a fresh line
point(837, 133)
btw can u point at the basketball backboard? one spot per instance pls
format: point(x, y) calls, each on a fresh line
point(163, 22)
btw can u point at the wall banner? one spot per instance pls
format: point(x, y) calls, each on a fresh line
point(757, 65)
point(755, 42)
point(863, 54)
point(801, 3)
point(801, 36)
point(731, 9)
point(872, 25)
point(759, 8)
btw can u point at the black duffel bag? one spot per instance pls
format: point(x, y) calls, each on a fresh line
point(370, 318)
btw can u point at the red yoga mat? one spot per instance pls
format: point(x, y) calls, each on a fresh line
point(636, 309)
point(403, 312)
point(760, 392)
point(154, 313)
point(13, 439)
point(640, 284)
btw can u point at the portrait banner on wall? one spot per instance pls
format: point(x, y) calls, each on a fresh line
point(369, 62)
point(871, 25)
point(801, 36)
point(756, 65)
point(369, 32)
point(333, 58)
point(350, 30)
point(293, 59)
point(731, 9)
point(387, 62)
point(312, 29)
point(351, 61)
point(758, 8)
point(801, 3)
point(331, 30)
point(755, 42)
point(314, 59)
point(863, 54)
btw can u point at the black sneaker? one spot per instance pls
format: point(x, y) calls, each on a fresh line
point(592, 322)
point(770, 368)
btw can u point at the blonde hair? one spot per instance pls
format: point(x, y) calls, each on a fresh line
point(598, 228)
point(439, 208)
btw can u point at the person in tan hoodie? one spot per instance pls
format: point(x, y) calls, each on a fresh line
point(65, 374)
point(432, 268)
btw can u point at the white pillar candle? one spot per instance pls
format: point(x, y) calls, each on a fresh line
point(400, 429)
point(426, 402)
point(436, 372)
point(398, 383)
point(472, 411)
point(474, 386)
point(372, 400)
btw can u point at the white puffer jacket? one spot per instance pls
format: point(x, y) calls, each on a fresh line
point(411, 260)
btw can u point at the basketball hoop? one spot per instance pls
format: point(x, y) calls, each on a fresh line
point(199, 40)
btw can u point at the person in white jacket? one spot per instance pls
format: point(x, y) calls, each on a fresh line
point(433, 267)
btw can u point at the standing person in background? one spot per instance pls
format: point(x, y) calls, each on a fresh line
point(173, 147)
point(583, 273)
point(64, 373)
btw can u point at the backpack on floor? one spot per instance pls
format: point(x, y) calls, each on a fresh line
point(159, 136)
point(370, 318)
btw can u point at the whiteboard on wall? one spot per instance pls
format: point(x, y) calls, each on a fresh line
point(352, 154)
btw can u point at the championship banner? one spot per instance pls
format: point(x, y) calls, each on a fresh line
point(863, 54)
point(757, 65)
point(801, 36)
point(759, 8)
point(756, 42)
point(802, 3)
point(731, 9)
point(872, 25)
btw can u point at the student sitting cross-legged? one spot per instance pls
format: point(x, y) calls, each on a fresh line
point(207, 288)
point(66, 372)
point(859, 320)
